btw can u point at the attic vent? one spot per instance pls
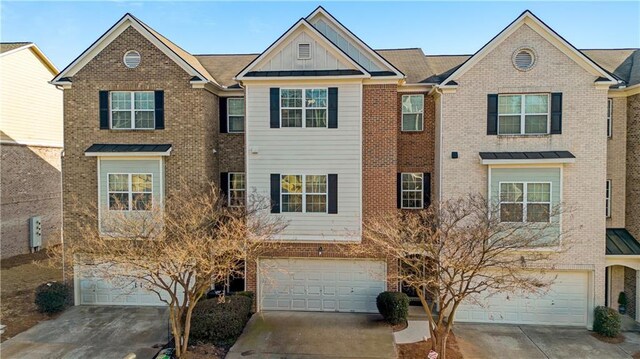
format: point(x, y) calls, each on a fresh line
point(304, 51)
point(524, 59)
point(131, 59)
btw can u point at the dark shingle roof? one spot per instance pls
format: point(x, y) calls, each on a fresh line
point(112, 148)
point(525, 155)
point(411, 62)
point(623, 63)
point(8, 46)
point(303, 73)
point(621, 242)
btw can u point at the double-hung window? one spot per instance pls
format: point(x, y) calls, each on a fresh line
point(130, 191)
point(132, 110)
point(412, 112)
point(526, 114)
point(608, 199)
point(525, 201)
point(304, 193)
point(412, 190)
point(235, 115)
point(237, 189)
point(609, 117)
point(303, 107)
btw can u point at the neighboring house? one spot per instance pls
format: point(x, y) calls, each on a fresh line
point(30, 146)
point(334, 132)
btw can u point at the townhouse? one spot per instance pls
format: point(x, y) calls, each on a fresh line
point(333, 132)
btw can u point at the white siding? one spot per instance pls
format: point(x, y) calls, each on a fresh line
point(309, 151)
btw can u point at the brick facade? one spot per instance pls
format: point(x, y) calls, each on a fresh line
point(616, 169)
point(633, 166)
point(31, 186)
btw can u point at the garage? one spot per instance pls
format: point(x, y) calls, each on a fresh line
point(330, 285)
point(565, 303)
point(94, 289)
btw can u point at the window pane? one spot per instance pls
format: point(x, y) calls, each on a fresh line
point(119, 201)
point(316, 184)
point(536, 103)
point(510, 212)
point(412, 122)
point(316, 118)
point(118, 182)
point(535, 124)
point(511, 192)
point(537, 212)
point(291, 98)
point(144, 119)
point(236, 198)
point(236, 123)
point(291, 118)
point(121, 119)
point(141, 183)
point(509, 104)
point(509, 125)
point(411, 199)
point(144, 100)
point(412, 103)
point(121, 100)
point(236, 181)
point(291, 203)
point(316, 98)
point(141, 201)
point(291, 184)
point(412, 181)
point(538, 192)
point(235, 107)
point(316, 203)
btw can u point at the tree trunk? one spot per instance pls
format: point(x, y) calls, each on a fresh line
point(440, 343)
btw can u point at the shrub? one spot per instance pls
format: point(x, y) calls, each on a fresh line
point(394, 306)
point(53, 297)
point(220, 323)
point(606, 322)
point(245, 293)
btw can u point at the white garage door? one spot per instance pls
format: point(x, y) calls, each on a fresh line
point(321, 284)
point(95, 290)
point(565, 303)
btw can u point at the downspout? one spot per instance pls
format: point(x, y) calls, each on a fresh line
point(439, 91)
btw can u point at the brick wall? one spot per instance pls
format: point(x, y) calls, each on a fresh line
point(616, 166)
point(630, 291)
point(633, 166)
point(191, 120)
point(30, 186)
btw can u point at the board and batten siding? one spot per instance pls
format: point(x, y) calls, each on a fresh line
point(309, 151)
point(151, 166)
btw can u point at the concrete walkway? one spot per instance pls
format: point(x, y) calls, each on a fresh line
point(92, 332)
point(415, 331)
point(291, 335)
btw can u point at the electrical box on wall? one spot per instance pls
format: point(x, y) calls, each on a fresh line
point(35, 233)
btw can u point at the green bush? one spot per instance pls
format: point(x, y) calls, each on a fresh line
point(220, 323)
point(53, 297)
point(606, 322)
point(394, 306)
point(245, 293)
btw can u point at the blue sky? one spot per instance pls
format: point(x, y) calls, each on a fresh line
point(64, 29)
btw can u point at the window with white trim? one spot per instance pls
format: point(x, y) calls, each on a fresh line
point(132, 110)
point(609, 117)
point(526, 114)
point(412, 112)
point(130, 191)
point(525, 201)
point(303, 193)
point(608, 199)
point(303, 107)
point(412, 188)
point(237, 189)
point(235, 115)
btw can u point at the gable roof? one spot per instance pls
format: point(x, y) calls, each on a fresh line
point(185, 60)
point(412, 62)
point(8, 48)
point(623, 63)
point(528, 18)
point(224, 67)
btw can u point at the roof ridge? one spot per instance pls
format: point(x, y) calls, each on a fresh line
point(247, 54)
point(448, 55)
point(613, 49)
point(399, 48)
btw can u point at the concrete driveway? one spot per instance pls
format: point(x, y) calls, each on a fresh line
point(308, 335)
point(92, 332)
point(480, 341)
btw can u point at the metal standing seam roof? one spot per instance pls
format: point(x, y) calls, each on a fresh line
point(116, 148)
point(525, 155)
point(621, 242)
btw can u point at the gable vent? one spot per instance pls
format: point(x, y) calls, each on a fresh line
point(131, 59)
point(304, 51)
point(524, 59)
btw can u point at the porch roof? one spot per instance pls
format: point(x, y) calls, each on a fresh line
point(621, 242)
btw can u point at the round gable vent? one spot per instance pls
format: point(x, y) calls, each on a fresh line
point(131, 59)
point(524, 59)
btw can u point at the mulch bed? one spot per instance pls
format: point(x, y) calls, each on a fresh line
point(615, 340)
point(420, 350)
point(206, 351)
point(401, 326)
point(636, 355)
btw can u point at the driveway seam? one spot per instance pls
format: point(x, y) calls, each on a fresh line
point(534, 343)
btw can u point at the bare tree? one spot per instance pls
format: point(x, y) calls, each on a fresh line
point(455, 251)
point(177, 249)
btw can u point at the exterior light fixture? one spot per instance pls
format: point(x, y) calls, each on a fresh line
point(320, 251)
